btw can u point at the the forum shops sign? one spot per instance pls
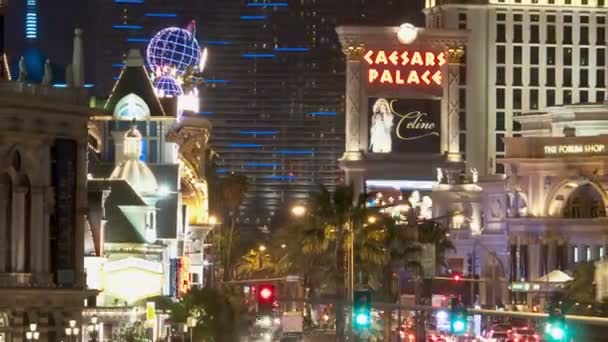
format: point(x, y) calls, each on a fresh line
point(574, 149)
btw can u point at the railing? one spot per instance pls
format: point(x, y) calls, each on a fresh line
point(8, 280)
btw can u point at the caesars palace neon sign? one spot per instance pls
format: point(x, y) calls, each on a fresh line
point(404, 67)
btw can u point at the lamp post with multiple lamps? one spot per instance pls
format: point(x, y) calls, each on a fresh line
point(93, 329)
point(32, 334)
point(72, 331)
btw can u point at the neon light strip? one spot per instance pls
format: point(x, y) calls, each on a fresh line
point(138, 40)
point(127, 27)
point(205, 113)
point(258, 55)
point(161, 15)
point(216, 81)
point(118, 65)
point(253, 17)
point(129, 1)
point(216, 42)
point(246, 145)
point(275, 177)
point(323, 113)
point(292, 49)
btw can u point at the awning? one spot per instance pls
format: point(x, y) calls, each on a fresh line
point(555, 276)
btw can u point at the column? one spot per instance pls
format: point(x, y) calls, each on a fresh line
point(552, 257)
point(17, 230)
point(354, 53)
point(36, 227)
point(81, 204)
point(450, 124)
point(534, 261)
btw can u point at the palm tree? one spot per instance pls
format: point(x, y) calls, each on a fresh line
point(255, 264)
point(233, 188)
point(433, 232)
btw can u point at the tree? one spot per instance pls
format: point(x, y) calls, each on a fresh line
point(580, 288)
point(255, 264)
point(233, 189)
point(433, 232)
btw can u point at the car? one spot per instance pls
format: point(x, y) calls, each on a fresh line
point(523, 334)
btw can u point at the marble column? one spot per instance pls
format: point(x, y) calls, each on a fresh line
point(354, 53)
point(36, 242)
point(450, 123)
point(534, 250)
point(551, 255)
point(81, 204)
point(18, 230)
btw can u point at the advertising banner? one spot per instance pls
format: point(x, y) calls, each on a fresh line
point(404, 125)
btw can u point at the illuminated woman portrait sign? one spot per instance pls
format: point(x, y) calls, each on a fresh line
point(404, 125)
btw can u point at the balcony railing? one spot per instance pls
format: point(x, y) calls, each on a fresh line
point(11, 280)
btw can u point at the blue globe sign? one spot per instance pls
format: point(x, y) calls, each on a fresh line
point(175, 49)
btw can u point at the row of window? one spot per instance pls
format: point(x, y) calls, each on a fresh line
point(550, 35)
point(550, 99)
point(550, 55)
point(587, 253)
point(550, 17)
point(533, 77)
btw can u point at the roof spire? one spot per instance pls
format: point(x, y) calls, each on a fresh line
point(78, 60)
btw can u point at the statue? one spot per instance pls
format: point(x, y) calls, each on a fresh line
point(474, 175)
point(439, 175)
point(22, 70)
point(47, 79)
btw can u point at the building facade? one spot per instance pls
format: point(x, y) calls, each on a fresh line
point(42, 206)
point(538, 54)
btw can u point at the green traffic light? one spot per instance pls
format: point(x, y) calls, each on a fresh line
point(362, 319)
point(557, 333)
point(458, 326)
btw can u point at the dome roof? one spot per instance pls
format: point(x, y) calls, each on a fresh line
point(138, 174)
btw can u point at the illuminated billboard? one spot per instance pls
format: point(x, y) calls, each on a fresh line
point(404, 125)
point(404, 68)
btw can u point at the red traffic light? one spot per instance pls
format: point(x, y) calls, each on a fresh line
point(266, 293)
point(457, 277)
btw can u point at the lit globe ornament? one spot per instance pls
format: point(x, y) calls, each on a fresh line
point(173, 49)
point(407, 33)
point(168, 86)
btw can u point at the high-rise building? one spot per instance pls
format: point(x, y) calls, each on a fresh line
point(535, 53)
point(275, 93)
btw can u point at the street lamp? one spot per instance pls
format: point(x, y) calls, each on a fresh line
point(93, 329)
point(262, 248)
point(371, 219)
point(32, 334)
point(298, 210)
point(212, 220)
point(72, 331)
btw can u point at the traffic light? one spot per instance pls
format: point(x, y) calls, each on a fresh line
point(556, 328)
point(266, 296)
point(456, 277)
point(362, 309)
point(458, 318)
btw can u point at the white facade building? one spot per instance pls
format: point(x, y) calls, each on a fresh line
point(522, 56)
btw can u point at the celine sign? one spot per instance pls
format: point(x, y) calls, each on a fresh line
point(575, 149)
point(404, 67)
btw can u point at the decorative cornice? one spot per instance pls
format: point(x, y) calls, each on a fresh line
point(354, 52)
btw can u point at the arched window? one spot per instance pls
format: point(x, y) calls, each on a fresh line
point(585, 202)
point(6, 211)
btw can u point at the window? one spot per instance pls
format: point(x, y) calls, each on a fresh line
point(517, 34)
point(567, 56)
point(567, 78)
point(600, 78)
point(501, 16)
point(501, 34)
point(567, 35)
point(500, 76)
point(600, 57)
point(516, 98)
point(583, 78)
point(583, 96)
point(584, 38)
point(500, 98)
point(534, 18)
point(534, 34)
point(534, 99)
point(601, 252)
point(567, 18)
point(588, 253)
point(601, 19)
point(551, 18)
point(500, 142)
point(600, 96)
point(584, 19)
point(567, 97)
point(517, 55)
point(584, 58)
point(550, 97)
point(551, 36)
point(534, 55)
point(551, 56)
point(500, 54)
point(575, 254)
point(500, 121)
point(550, 77)
point(534, 76)
point(517, 79)
point(600, 36)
